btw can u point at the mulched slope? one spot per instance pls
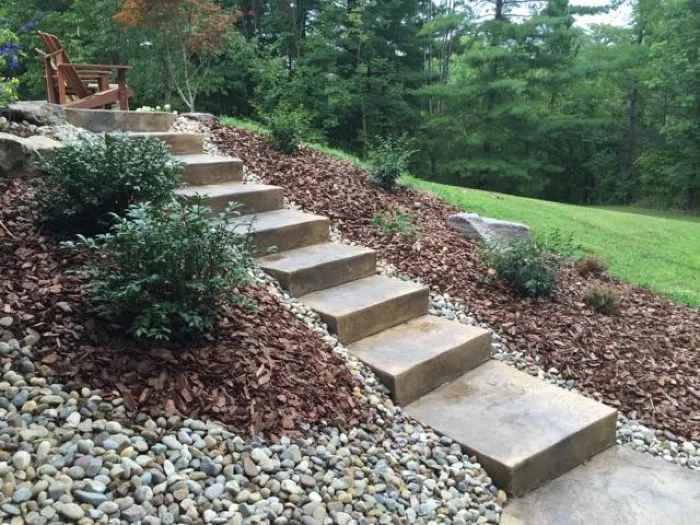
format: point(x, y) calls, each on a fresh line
point(267, 372)
point(644, 360)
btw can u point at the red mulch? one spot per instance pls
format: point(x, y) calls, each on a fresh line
point(644, 360)
point(265, 372)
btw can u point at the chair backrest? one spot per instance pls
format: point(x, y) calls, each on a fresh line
point(53, 44)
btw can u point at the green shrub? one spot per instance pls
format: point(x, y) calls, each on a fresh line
point(603, 299)
point(591, 265)
point(97, 176)
point(396, 221)
point(288, 126)
point(388, 159)
point(530, 269)
point(165, 272)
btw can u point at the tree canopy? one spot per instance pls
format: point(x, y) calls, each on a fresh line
point(507, 95)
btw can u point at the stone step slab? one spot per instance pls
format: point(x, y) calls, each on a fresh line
point(320, 266)
point(281, 230)
point(367, 306)
point(253, 198)
point(524, 431)
point(178, 143)
point(207, 170)
point(107, 121)
point(415, 357)
point(618, 487)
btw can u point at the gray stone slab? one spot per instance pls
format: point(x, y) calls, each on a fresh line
point(320, 266)
point(523, 430)
point(102, 120)
point(364, 307)
point(618, 487)
point(416, 357)
point(252, 198)
point(204, 169)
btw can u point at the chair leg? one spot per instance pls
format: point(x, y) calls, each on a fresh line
point(122, 94)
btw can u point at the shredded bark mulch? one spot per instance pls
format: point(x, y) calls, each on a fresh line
point(643, 360)
point(265, 372)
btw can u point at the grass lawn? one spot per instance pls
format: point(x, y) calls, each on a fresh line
point(648, 248)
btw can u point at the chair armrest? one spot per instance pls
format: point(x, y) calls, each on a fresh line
point(44, 55)
point(94, 66)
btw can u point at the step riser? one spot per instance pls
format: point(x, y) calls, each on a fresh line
point(356, 325)
point(524, 431)
point(291, 237)
point(214, 173)
point(427, 376)
point(180, 143)
point(107, 121)
point(553, 462)
point(250, 202)
point(325, 275)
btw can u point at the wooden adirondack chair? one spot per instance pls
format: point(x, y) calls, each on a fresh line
point(85, 86)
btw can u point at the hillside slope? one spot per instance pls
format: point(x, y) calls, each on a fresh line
point(659, 252)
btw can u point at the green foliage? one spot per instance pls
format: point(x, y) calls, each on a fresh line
point(288, 126)
point(388, 160)
point(603, 299)
point(525, 265)
point(396, 221)
point(9, 52)
point(166, 272)
point(96, 176)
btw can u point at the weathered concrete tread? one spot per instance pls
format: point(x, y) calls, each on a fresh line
point(618, 487)
point(524, 431)
point(319, 266)
point(204, 169)
point(364, 307)
point(253, 198)
point(102, 120)
point(178, 143)
point(286, 230)
point(415, 357)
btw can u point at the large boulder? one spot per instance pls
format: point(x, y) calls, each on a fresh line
point(38, 113)
point(203, 118)
point(490, 231)
point(17, 154)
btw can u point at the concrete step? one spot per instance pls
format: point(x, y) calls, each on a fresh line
point(416, 357)
point(105, 121)
point(618, 487)
point(524, 431)
point(364, 307)
point(205, 170)
point(254, 198)
point(283, 230)
point(178, 143)
point(319, 266)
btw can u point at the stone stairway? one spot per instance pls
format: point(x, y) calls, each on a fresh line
point(524, 431)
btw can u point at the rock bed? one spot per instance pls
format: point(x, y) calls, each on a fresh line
point(70, 455)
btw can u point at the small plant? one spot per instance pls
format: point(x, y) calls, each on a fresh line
point(165, 272)
point(388, 159)
point(396, 221)
point(529, 268)
point(95, 177)
point(288, 126)
point(603, 299)
point(592, 266)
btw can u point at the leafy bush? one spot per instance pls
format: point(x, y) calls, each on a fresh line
point(557, 243)
point(288, 126)
point(529, 268)
point(165, 272)
point(388, 159)
point(603, 299)
point(396, 221)
point(10, 53)
point(591, 266)
point(94, 177)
